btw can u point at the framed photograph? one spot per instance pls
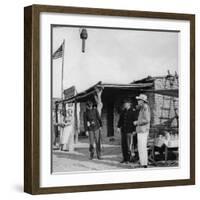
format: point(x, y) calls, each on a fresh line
point(109, 99)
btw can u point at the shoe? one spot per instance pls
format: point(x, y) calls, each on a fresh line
point(145, 166)
point(91, 156)
point(134, 159)
point(99, 156)
point(124, 161)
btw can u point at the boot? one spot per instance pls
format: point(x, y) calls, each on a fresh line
point(91, 149)
point(91, 155)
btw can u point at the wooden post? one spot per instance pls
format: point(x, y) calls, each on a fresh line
point(56, 120)
point(110, 118)
point(75, 123)
point(63, 58)
point(98, 99)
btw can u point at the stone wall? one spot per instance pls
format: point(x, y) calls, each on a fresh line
point(158, 101)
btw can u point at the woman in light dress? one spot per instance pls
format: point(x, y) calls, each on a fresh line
point(65, 133)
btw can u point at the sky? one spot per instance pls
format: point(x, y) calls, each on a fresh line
point(112, 56)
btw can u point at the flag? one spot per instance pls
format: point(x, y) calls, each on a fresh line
point(59, 52)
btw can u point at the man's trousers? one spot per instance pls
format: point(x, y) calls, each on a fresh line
point(142, 148)
point(126, 143)
point(95, 138)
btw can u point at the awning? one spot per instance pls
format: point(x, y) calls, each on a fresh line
point(107, 86)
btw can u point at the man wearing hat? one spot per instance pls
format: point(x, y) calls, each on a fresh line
point(93, 124)
point(127, 128)
point(142, 129)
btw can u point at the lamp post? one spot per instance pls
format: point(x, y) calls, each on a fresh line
point(83, 36)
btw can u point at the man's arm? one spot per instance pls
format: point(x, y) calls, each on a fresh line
point(85, 121)
point(119, 124)
point(134, 117)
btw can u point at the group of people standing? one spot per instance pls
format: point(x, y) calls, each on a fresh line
point(133, 123)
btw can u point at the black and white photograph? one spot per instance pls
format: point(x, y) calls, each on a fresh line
point(114, 99)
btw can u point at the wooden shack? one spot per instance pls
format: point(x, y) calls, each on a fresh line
point(110, 98)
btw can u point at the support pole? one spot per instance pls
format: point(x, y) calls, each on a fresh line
point(63, 56)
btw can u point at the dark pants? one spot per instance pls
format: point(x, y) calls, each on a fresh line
point(126, 143)
point(95, 138)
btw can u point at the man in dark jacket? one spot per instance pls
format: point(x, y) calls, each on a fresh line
point(93, 124)
point(127, 128)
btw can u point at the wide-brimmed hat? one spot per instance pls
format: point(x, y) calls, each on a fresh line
point(142, 97)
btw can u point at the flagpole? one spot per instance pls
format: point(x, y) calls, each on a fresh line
point(62, 90)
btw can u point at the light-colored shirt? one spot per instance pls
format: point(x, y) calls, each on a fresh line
point(143, 124)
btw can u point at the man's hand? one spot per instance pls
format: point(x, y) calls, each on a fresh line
point(86, 133)
point(134, 133)
point(88, 124)
point(118, 130)
point(62, 125)
point(135, 123)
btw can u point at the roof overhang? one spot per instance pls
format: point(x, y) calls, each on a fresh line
point(82, 96)
point(166, 92)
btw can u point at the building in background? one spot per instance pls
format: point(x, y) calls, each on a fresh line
point(162, 94)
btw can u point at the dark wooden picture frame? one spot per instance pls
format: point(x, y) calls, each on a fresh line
point(32, 93)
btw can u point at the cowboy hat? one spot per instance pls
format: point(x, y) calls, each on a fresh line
point(142, 97)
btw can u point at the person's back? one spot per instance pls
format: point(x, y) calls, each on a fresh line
point(126, 121)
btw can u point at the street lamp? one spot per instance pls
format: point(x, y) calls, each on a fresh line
point(83, 36)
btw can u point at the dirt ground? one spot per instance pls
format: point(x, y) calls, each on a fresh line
point(78, 160)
